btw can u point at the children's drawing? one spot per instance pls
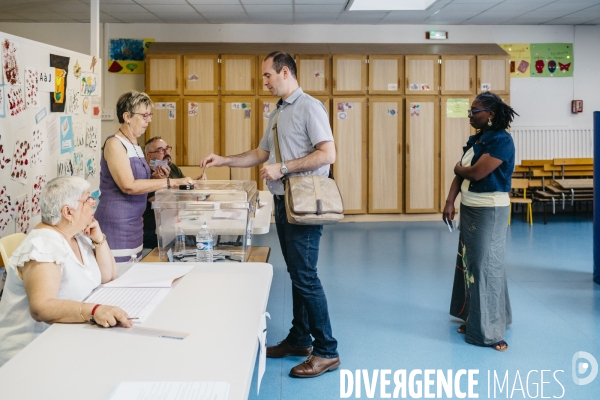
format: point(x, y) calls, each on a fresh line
point(31, 87)
point(4, 160)
point(66, 134)
point(88, 84)
point(65, 167)
point(2, 102)
point(21, 161)
point(78, 163)
point(57, 98)
point(38, 145)
point(90, 168)
point(73, 105)
point(7, 209)
point(23, 213)
point(38, 185)
point(14, 99)
point(9, 60)
point(92, 133)
point(79, 133)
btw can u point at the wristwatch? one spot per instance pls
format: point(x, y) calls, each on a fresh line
point(283, 169)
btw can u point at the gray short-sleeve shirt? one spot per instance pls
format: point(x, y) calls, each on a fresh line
point(302, 124)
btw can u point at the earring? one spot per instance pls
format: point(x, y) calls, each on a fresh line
point(71, 222)
point(489, 122)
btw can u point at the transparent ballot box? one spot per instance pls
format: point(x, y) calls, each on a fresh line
point(227, 207)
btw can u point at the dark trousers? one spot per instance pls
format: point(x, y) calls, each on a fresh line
point(300, 248)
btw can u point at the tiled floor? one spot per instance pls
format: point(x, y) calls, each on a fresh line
point(388, 287)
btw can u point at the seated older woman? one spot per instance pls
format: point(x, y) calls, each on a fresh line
point(60, 262)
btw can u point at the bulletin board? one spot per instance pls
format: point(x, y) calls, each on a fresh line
point(49, 125)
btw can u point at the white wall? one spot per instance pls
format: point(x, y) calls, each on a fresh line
point(541, 102)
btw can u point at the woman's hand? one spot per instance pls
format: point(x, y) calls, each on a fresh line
point(108, 316)
point(182, 181)
point(449, 212)
point(93, 231)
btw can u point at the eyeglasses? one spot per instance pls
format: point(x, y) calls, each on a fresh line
point(90, 200)
point(146, 116)
point(471, 112)
point(161, 149)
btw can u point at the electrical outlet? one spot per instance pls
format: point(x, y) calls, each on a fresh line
point(107, 114)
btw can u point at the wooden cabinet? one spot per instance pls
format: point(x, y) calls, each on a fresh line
point(200, 128)
point(238, 74)
point(314, 73)
point(201, 74)
point(455, 131)
point(422, 75)
point(350, 168)
point(166, 123)
point(422, 154)
point(458, 75)
point(385, 154)
point(493, 74)
point(386, 74)
point(238, 133)
point(349, 74)
point(163, 74)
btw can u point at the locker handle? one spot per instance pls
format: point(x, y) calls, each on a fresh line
point(470, 83)
point(399, 83)
point(185, 149)
point(326, 83)
point(407, 148)
point(252, 84)
point(399, 149)
point(334, 83)
point(185, 84)
point(478, 83)
point(176, 83)
point(407, 83)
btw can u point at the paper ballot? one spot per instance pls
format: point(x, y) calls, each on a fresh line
point(171, 391)
point(145, 275)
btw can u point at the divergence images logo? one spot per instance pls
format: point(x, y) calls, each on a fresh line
point(580, 368)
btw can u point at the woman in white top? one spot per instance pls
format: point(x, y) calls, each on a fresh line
point(60, 262)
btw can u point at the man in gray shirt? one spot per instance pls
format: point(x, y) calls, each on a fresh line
point(307, 148)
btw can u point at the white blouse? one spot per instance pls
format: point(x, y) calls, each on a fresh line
point(17, 327)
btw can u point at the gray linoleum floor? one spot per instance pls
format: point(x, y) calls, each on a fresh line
point(388, 286)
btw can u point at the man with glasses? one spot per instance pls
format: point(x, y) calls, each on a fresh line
point(157, 151)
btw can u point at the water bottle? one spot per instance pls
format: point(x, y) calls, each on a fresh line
point(179, 241)
point(204, 245)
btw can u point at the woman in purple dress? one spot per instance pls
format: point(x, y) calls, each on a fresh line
point(126, 179)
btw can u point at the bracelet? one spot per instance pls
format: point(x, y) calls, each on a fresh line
point(92, 320)
point(100, 243)
point(81, 313)
point(168, 183)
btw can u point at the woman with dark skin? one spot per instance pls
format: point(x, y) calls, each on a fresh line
point(483, 177)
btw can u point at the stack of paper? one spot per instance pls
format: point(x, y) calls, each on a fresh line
point(139, 290)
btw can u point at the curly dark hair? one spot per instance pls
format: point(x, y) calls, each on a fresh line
point(503, 113)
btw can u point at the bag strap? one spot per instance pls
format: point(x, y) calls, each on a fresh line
point(276, 137)
point(318, 195)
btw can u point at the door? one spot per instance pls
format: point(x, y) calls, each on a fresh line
point(385, 154)
point(350, 168)
point(201, 74)
point(163, 73)
point(458, 75)
point(200, 128)
point(166, 123)
point(349, 74)
point(386, 74)
point(493, 74)
point(238, 74)
point(421, 75)
point(239, 131)
point(314, 73)
point(422, 154)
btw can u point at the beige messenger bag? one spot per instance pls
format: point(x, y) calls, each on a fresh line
point(310, 199)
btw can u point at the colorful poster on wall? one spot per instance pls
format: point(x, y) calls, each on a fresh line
point(520, 59)
point(552, 60)
point(457, 108)
point(66, 135)
point(127, 56)
point(57, 98)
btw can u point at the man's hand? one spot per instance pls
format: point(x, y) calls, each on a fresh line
point(212, 160)
point(271, 172)
point(161, 172)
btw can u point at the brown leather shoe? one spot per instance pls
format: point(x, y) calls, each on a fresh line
point(284, 349)
point(315, 366)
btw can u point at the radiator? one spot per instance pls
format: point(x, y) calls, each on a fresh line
point(550, 143)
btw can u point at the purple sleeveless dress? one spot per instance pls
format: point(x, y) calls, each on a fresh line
point(120, 214)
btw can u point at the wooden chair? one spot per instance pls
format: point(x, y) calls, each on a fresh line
point(521, 184)
point(8, 244)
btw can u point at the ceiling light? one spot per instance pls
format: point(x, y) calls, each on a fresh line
point(436, 35)
point(388, 5)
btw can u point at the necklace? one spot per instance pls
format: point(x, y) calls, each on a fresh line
point(64, 234)
point(134, 146)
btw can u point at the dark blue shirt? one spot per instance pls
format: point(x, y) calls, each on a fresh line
point(500, 145)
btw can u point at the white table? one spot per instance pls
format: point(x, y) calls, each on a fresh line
point(220, 305)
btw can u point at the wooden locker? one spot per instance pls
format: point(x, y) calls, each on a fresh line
point(422, 154)
point(163, 73)
point(421, 75)
point(166, 123)
point(385, 154)
point(349, 74)
point(201, 74)
point(350, 168)
point(458, 75)
point(386, 74)
point(454, 133)
point(238, 74)
point(313, 73)
point(238, 131)
point(200, 128)
point(493, 74)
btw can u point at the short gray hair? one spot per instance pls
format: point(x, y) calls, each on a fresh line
point(130, 101)
point(60, 192)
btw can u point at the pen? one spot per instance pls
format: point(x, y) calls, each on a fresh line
point(133, 318)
